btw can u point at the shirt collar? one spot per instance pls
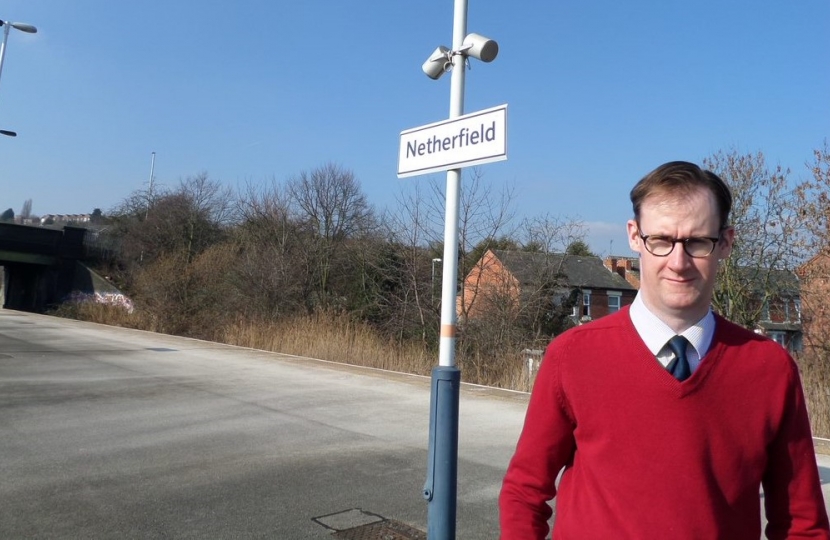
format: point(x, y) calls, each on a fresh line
point(655, 333)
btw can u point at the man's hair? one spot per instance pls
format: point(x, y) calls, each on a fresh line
point(682, 178)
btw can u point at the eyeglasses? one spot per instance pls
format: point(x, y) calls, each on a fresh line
point(662, 246)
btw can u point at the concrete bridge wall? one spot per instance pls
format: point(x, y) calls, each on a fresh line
point(40, 267)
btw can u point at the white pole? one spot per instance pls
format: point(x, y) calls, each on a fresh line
point(449, 316)
point(6, 28)
point(432, 282)
point(150, 189)
point(441, 487)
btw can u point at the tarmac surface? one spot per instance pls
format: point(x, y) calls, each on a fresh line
point(116, 433)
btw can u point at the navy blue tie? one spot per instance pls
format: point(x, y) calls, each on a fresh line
point(679, 367)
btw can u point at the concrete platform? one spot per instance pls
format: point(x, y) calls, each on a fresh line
point(115, 433)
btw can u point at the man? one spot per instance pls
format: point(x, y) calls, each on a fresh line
point(662, 436)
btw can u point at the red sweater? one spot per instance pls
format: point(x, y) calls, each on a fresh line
point(646, 456)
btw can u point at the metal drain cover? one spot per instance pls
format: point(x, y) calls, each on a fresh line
point(357, 524)
point(384, 530)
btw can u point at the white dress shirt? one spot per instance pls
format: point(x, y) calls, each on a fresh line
point(655, 333)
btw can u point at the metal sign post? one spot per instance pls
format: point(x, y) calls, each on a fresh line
point(477, 138)
point(440, 489)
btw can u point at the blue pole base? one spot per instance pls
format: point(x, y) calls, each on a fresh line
point(441, 487)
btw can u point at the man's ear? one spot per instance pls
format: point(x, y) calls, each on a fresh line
point(633, 231)
point(726, 242)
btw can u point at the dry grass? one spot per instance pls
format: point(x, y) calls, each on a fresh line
point(334, 338)
point(106, 314)
point(339, 339)
point(818, 403)
point(517, 376)
point(815, 378)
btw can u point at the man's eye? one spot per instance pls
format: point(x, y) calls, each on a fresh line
point(659, 240)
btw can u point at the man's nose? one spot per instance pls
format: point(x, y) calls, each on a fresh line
point(678, 258)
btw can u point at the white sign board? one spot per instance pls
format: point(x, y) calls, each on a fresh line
point(472, 139)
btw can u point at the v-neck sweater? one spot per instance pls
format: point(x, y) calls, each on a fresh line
point(647, 456)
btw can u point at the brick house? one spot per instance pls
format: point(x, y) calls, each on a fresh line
point(779, 312)
point(512, 277)
point(781, 317)
point(814, 276)
point(627, 267)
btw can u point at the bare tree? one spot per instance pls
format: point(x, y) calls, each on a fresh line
point(410, 300)
point(485, 215)
point(814, 362)
point(157, 250)
point(485, 223)
point(331, 208)
point(813, 198)
point(536, 311)
point(815, 274)
point(186, 220)
point(551, 234)
point(272, 271)
point(209, 210)
point(415, 229)
point(767, 245)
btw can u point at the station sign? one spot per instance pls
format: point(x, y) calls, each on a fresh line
point(471, 139)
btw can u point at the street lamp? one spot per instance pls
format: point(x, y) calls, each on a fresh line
point(441, 487)
point(23, 27)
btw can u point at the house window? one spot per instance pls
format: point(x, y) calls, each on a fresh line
point(797, 306)
point(765, 311)
point(586, 303)
point(778, 337)
point(614, 301)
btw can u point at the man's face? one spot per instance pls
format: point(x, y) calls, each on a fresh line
point(678, 288)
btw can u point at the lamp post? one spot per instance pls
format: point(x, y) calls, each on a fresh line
point(23, 27)
point(150, 188)
point(441, 486)
point(7, 26)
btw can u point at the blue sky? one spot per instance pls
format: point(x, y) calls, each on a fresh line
point(598, 92)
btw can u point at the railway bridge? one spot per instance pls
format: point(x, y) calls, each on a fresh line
point(40, 266)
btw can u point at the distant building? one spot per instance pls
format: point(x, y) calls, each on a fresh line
point(815, 291)
point(780, 317)
point(502, 275)
point(54, 219)
point(627, 267)
point(27, 220)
